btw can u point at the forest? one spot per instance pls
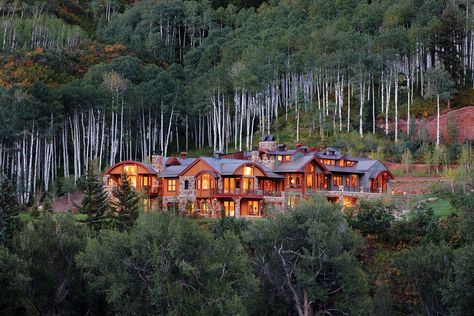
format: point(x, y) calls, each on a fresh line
point(312, 260)
point(85, 84)
point(112, 80)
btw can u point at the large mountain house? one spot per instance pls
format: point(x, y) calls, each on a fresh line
point(246, 183)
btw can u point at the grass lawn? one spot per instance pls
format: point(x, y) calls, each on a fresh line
point(441, 208)
point(26, 217)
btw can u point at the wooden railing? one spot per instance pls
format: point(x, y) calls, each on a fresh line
point(150, 189)
point(242, 192)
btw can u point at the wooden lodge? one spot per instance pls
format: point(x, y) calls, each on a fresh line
point(248, 183)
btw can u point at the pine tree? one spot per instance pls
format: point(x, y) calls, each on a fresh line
point(95, 202)
point(9, 210)
point(48, 205)
point(35, 213)
point(125, 203)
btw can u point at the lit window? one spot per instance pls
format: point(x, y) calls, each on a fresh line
point(190, 207)
point(145, 181)
point(337, 181)
point(253, 208)
point(309, 181)
point(205, 181)
point(204, 207)
point(171, 185)
point(354, 181)
point(287, 158)
point(248, 171)
point(130, 169)
point(110, 182)
point(229, 208)
point(279, 158)
point(133, 181)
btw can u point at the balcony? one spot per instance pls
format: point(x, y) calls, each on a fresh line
point(150, 190)
point(236, 192)
point(244, 193)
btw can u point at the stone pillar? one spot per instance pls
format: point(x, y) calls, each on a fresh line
point(237, 207)
point(157, 163)
point(255, 156)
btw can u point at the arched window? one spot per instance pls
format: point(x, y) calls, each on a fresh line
point(190, 207)
point(186, 184)
point(204, 207)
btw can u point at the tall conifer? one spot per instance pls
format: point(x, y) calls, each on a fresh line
point(95, 203)
point(125, 203)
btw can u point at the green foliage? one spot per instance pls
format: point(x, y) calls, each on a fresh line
point(373, 217)
point(48, 204)
point(407, 160)
point(9, 210)
point(308, 255)
point(425, 268)
point(459, 290)
point(169, 265)
point(125, 203)
point(35, 212)
point(95, 202)
point(48, 247)
point(14, 279)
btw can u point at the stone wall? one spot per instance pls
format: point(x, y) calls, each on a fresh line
point(267, 145)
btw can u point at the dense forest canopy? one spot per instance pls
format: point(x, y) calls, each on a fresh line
point(109, 80)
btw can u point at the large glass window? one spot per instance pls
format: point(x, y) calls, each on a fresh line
point(229, 185)
point(253, 208)
point(337, 181)
point(171, 185)
point(229, 208)
point(204, 207)
point(206, 179)
point(355, 181)
point(130, 169)
point(248, 171)
point(309, 181)
point(133, 181)
point(248, 184)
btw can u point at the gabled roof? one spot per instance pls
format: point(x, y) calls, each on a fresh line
point(224, 167)
point(298, 165)
point(326, 156)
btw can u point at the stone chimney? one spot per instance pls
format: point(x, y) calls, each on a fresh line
point(267, 143)
point(184, 154)
point(254, 157)
point(157, 162)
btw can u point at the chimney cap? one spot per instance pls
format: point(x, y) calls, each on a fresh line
point(184, 154)
point(218, 154)
point(268, 138)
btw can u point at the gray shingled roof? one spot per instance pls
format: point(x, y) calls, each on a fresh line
point(149, 167)
point(325, 156)
point(295, 165)
point(223, 166)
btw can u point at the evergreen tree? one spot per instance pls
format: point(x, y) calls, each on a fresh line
point(35, 213)
point(125, 203)
point(48, 205)
point(95, 202)
point(9, 210)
